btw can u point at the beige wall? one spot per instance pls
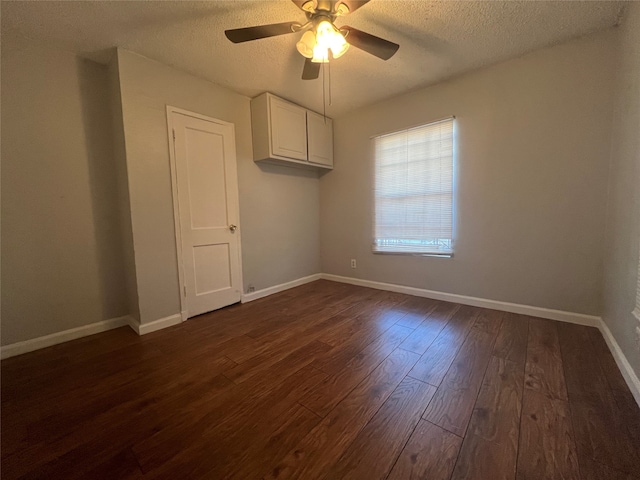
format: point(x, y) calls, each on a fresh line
point(122, 190)
point(623, 213)
point(532, 146)
point(61, 255)
point(279, 206)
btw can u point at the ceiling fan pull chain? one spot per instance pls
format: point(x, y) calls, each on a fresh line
point(330, 98)
point(324, 99)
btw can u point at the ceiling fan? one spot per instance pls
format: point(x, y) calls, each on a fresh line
point(322, 39)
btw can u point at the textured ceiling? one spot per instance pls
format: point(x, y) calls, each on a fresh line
point(438, 39)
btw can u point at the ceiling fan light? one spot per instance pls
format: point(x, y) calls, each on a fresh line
point(329, 38)
point(309, 6)
point(307, 44)
point(339, 48)
point(342, 9)
point(320, 54)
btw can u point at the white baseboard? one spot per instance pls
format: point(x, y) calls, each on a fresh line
point(144, 328)
point(623, 364)
point(60, 337)
point(579, 318)
point(248, 297)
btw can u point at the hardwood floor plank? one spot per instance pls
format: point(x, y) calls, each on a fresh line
point(22, 370)
point(511, 343)
point(257, 457)
point(429, 329)
point(239, 319)
point(292, 324)
point(583, 373)
point(375, 449)
point(299, 314)
point(592, 470)
point(430, 453)
point(601, 427)
point(489, 321)
point(376, 314)
point(630, 411)
point(98, 375)
point(490, 447)
point(305, 329)
point(223, 453)
point(84, 410)
point(73, 456)
point(453, 403)
point(206, 346)
point(334, 388)
point(193, 421)
point(271, 377)
point(266, 382)
point(223, 428)
point(333, 362)
point(482, 459)
point(544, 368)
point(496, 416)
point(81, 410)
point(324, 445)
point(416, 310)
point(274, 313)
point(602, 433)
point(244, 371)
point(435, 362)
point(607, 362)
point(122, 466)
point(547, 446)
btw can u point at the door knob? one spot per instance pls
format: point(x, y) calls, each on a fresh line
point(232, 228)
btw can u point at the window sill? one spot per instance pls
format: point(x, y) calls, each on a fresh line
point(417, 254)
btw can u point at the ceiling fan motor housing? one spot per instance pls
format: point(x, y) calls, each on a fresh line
point(331, 7)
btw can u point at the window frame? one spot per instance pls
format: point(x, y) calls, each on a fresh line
point(372, 183)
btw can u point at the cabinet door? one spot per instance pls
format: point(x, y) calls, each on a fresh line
point(320, 138)
point(288, 129)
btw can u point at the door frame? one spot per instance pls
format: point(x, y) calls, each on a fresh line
point(176, 206)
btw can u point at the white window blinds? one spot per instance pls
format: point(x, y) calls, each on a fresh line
point(414, 190)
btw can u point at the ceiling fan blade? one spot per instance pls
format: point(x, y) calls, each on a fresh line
point(311, 70)
point(239, 35)
point(377, 46)
point(354, 4)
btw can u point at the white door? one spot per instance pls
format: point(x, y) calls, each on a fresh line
point(207, 193)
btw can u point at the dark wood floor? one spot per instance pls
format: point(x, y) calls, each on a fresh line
point(325, 381)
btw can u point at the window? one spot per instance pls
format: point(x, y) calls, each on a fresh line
point(414, 190)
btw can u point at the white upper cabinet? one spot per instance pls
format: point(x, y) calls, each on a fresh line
point(288, 129)
point(288, 134)
point(320, 139)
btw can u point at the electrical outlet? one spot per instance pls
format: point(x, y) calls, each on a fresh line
point(353, 263)
point(251, 289)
